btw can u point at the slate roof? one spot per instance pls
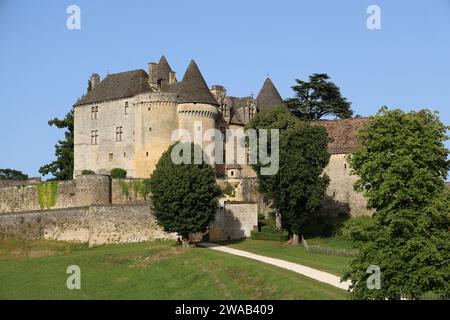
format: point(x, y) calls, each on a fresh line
point(163, 69)
point(193, 87)
point(342, 133)
point(236, 118)
point(268, 96)
point(117, 86)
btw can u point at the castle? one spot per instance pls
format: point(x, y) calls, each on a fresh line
point(128, 118)
point(126, 121)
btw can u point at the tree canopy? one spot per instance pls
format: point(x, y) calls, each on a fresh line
point(62, 167)
point(402, 166)
point(184, 196)
point(317, 98)
point(299, 186)
point(11, 174)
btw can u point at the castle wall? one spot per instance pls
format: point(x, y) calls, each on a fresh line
point(340, 196)
point(126, 191)
point(61, 224)
point(96, 225)
point(84, 191)
point(234, 221)
point(124, 224)
point(107, 153)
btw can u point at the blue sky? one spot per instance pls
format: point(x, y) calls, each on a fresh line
point(44, 66)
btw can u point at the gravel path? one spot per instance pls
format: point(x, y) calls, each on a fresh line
point(306, 271)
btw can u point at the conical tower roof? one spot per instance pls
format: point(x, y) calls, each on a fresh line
point(193, 87)
point(268, 96)
point(163, 69)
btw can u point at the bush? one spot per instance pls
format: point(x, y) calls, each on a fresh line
point(118, 173)
point(328, 230)
point(87, 172)
point(281, 237)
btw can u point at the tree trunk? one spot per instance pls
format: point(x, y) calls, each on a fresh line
point(278, 221)
point(295, 239)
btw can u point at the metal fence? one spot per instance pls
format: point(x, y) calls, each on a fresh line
point(331, 251)
point(328, 250)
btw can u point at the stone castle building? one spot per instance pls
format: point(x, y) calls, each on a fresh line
point(127, 120)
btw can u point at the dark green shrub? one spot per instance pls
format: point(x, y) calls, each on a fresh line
point(328, 230)
point(281, 237)
point(118, 173)
point(87, 172)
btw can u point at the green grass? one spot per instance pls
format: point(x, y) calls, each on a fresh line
point(298, 254)
point(152, 270)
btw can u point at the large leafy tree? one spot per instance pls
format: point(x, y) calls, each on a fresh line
point(11, 174)
point(184, 196)
point(317, 98)
point(62, 167)
point(299, 186)
point(402, 166)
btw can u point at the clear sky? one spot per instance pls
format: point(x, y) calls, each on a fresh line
point(44, 67)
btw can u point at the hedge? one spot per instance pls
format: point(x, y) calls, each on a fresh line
point(281, 237)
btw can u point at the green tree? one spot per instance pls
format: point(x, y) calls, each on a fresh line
point(184, 196)
point(62, 167)
point(11, 174)
point(318, 98)
point(89, 88)
point(402, 166)
point(299, 186)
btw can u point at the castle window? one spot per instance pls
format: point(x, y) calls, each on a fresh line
point(110, 157)
point(94, 112)
point(119, 134)
point(251, 113)
point(345, 165)
point(94, 136)
point(126, 107)
point(146, 154)
point(150, 129)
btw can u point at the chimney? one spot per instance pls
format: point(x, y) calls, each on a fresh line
point(218, 91)
point(95, 80)
point(172, 77)
point(152, 73)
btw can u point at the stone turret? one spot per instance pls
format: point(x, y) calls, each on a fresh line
point(195, 101)
point(268, 96)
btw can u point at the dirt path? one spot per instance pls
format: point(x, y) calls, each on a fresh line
point(306, 271)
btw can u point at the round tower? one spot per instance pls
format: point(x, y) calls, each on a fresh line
point(197, 107)
point(156, 119)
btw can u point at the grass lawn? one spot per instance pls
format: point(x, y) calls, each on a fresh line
point(329, 263)
point(152, 270)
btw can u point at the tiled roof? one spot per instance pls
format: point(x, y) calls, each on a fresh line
point(342, 133)
point(118, 85)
